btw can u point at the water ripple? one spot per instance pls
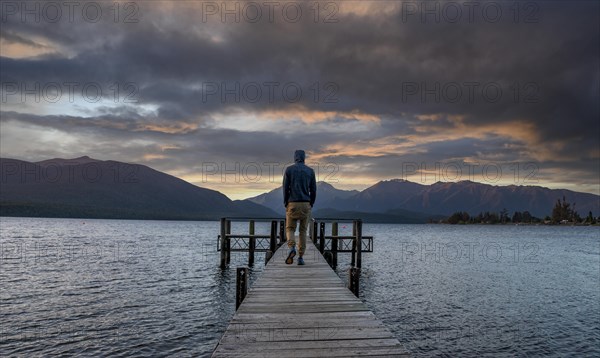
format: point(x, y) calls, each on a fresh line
point(151, 288)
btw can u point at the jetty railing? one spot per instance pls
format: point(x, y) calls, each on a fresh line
point(328, 245)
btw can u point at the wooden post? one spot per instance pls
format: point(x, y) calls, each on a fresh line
point(334, 228)
point(282, 237)
point(228, 242)
point(322, 238)
point(359, 243)
point(353, 254)
point(268, 256)
point(334, 244)
point(241, 285)
point(329, 258)
point(314, 231)
point(354, 280)
point(223, 252)
point(273, 244)
point(251, 243)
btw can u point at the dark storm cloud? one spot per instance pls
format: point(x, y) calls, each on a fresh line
point(376, 58)
point(371, 57)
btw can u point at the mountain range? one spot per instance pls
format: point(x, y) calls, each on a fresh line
point(86, 187)
point(442, 198)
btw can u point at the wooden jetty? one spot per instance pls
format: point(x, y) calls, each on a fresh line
point(303, 311)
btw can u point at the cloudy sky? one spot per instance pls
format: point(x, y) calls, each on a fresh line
point(221, 93)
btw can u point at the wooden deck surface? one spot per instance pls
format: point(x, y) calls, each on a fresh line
point(304, 311)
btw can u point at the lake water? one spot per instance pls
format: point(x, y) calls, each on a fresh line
point(153, 288)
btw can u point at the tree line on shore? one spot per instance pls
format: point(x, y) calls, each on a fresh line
point(562, 213)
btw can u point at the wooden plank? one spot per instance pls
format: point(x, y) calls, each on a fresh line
point(304, 311)
point(388, 346)
point(236, 336)
point(321, 352)
point(340, 343)
point(308, 352)
point(304, 323)
point(316, 317)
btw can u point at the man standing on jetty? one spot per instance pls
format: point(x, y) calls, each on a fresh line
point(299, 194)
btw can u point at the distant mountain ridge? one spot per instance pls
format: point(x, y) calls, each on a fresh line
point(443, 199)
point(86, 187)
point(62, 162)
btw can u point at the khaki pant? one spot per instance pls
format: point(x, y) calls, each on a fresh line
point(297, 211)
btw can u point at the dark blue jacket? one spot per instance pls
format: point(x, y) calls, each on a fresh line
point(299, 183)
